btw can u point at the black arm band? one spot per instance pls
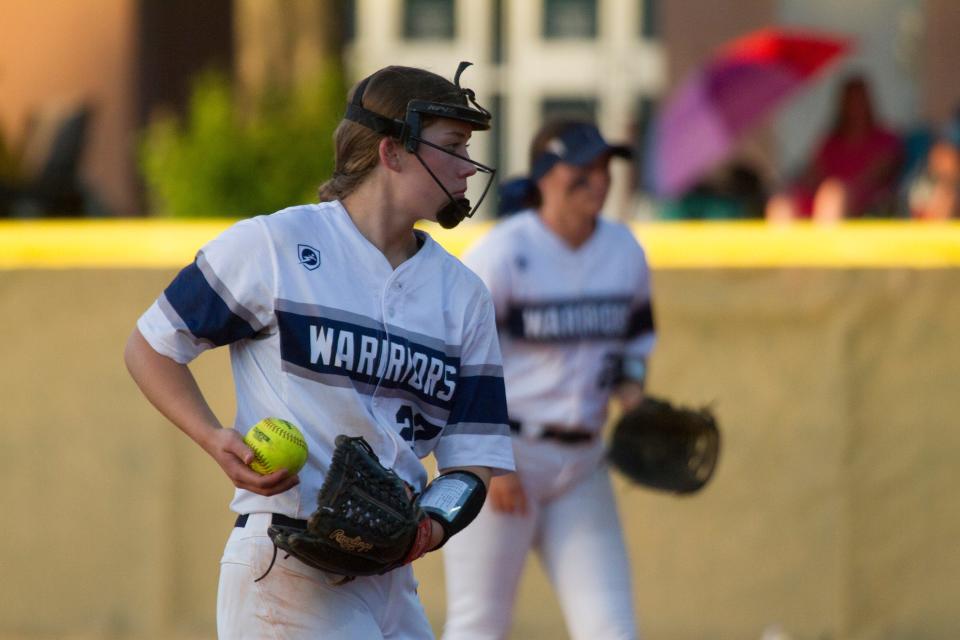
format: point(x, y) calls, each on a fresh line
point(453, 499)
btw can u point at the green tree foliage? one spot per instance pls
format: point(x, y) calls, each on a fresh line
point(222, 160)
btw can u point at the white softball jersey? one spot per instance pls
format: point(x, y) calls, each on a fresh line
point(567, 317)
point(323, 332)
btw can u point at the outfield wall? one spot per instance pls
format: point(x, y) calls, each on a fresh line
point(830, 355)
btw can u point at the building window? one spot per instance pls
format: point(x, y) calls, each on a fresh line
point(565, 107)
point(649, 18)
point(497, 36)
point(570, 19)
point(349, 19)
point(497, 134)
point(428, 19)
point(642, 130)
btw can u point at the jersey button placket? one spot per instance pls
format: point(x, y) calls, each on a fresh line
point(386, 311)
point(583, 354)
point(394, 291)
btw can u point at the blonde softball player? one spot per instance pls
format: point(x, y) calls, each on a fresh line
point(344, 320)
point(572, 299)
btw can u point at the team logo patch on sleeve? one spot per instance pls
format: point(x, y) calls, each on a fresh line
point(308, 256)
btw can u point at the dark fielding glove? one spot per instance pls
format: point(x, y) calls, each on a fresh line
point(366, 522)
point(665, 447)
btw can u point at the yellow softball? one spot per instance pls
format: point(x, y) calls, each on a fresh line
point(276, 445)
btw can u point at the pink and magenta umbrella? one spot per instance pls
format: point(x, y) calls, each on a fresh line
point(745, 81)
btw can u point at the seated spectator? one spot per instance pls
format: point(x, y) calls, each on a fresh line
point(46, 180)
point(854, 170)
point(734, 192)
point(934, 193)
point(930, 190)
point(9, 174)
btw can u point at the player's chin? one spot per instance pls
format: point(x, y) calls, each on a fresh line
point(595, 199)
point(452, 212)
point(594, 208)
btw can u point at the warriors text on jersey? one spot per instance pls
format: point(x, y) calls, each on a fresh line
point(568, 317)
point(323, 332)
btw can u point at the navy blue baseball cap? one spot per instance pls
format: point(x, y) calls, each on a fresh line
point(579, 145)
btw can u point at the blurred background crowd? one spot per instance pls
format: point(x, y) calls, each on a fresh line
point(746, 109)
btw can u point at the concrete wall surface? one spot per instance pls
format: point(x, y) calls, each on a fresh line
point(833, 512)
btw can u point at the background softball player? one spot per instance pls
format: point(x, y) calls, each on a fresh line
point(341, 319)
point(572, 299)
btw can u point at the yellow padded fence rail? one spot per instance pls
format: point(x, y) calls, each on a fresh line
point(158, 243)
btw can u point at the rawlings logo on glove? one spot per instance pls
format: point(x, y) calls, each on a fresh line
point(349, 544)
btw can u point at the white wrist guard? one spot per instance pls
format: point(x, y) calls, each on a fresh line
point(634, 370)
point(453, 499)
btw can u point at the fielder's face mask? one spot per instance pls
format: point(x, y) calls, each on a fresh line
point(578, 145)
point(409, 132)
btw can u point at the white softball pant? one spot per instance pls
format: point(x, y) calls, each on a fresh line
point(572, 523)
point(295, 601)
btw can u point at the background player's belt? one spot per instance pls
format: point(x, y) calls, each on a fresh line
point(275, 518)
point(558, 433)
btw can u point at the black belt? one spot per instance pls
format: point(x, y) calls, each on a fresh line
point(275, 518)
point(282, 520)
point(558, 433)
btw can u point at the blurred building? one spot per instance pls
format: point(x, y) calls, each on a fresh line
point(608, 59)
point(121, 59)
point(534, 59)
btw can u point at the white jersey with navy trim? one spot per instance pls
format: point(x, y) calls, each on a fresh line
point(567, 317)
point(323, 332)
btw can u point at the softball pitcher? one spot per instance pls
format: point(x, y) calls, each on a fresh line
point(572, 299)
point(342, 319)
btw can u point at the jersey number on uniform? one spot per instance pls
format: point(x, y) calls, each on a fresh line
point(416, 427)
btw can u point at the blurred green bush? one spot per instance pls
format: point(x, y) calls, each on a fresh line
point(223, 159)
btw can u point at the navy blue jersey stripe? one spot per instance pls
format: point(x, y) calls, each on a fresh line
point(641, 321)
point(479, 399)
point(204, 312)
point(570, 320)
